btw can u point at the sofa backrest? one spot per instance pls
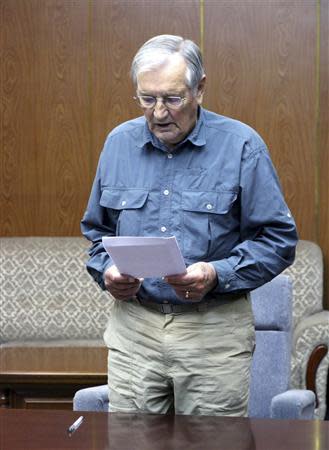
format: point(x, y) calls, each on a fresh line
point(46, 292)
point(306, 274)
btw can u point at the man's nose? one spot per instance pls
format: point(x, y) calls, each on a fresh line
point(160, 109)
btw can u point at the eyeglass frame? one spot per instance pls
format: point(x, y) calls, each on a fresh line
point(162, 99)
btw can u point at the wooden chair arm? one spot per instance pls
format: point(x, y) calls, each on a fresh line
point(314, 361)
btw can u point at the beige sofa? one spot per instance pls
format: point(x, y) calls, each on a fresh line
point(52, 318)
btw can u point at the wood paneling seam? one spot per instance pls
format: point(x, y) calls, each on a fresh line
point(202, 27)
point(90, 83)
point(317, 120)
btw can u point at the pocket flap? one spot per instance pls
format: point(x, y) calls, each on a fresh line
point(123, 198)
point(208, 202)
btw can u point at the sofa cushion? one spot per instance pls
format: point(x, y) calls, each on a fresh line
point(46, 292)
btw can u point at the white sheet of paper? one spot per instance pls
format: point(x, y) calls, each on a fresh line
point(143, 257)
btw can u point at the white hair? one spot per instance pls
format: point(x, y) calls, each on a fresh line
point(155, 52)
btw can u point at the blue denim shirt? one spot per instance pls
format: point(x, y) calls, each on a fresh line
point(217, 192)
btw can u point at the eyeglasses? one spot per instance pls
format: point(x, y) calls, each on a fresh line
point(170, 102)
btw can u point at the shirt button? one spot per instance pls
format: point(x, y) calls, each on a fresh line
point(123, 203)
point(163, 229)
point(209, 206)
point(227, 286)
point(166, 192)
point(170, 155)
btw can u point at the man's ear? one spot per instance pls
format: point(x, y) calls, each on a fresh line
point(201, 89)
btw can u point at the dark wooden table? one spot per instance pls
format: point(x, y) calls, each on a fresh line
point(36, 430)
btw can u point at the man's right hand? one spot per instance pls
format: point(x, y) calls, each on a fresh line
point(121, 287)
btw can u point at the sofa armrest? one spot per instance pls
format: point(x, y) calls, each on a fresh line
point(293, 404)
point(310, 357)
point(316, 326)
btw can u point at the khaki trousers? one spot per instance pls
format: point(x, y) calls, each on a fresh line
point(184, 363)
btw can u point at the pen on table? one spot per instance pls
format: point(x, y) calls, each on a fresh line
point(75, 425)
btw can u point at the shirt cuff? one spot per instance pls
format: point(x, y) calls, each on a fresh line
point(107, 265)
point(225, 276)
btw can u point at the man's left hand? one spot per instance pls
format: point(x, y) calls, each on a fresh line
point(193, 285)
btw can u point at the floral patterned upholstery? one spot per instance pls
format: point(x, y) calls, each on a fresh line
point(46, 292)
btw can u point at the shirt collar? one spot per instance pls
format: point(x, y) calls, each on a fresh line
point(197, 136)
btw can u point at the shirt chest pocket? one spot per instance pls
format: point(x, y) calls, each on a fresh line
point(127, 206)
point(206, 218)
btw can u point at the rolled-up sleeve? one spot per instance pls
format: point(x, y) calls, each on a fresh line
point(268, 235)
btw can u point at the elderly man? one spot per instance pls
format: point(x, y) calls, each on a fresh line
point(184, 344)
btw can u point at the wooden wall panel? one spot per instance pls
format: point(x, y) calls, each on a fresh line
point(17, 188)
point(119, 28)
point(261, 69)
point(323, 140)
point(45, 142)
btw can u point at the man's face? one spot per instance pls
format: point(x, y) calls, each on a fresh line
point(170, 126)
